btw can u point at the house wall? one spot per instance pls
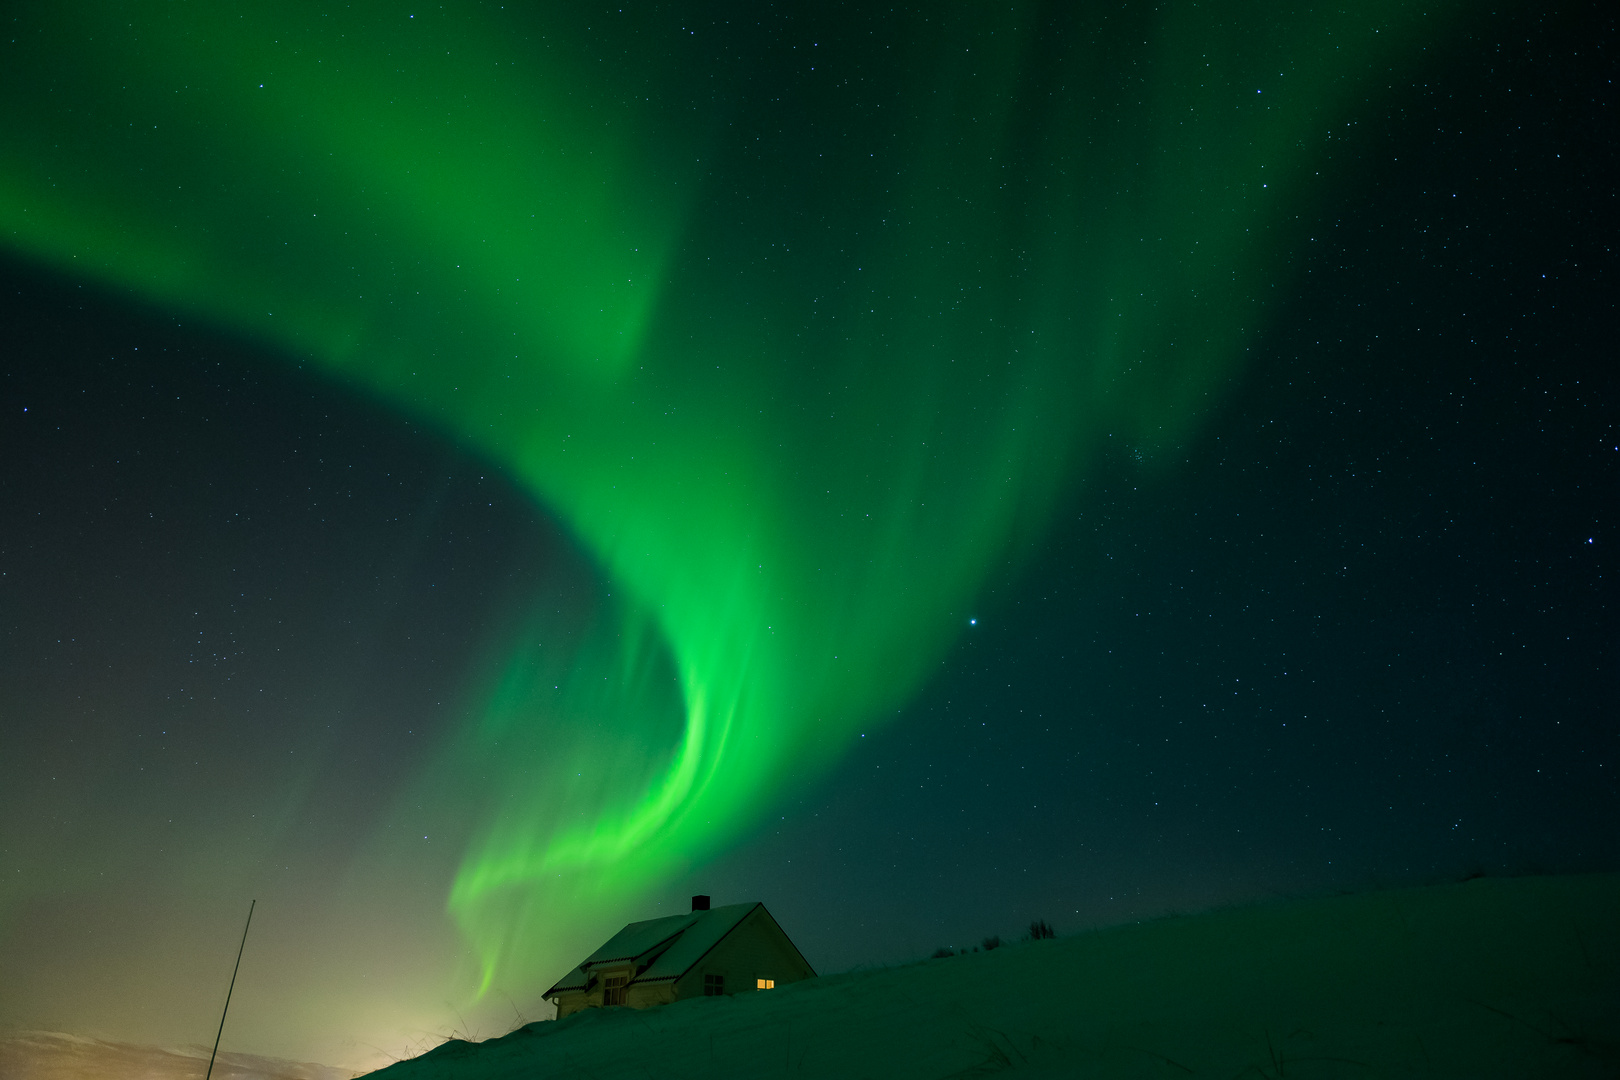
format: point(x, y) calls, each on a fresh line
point(646, 995)
point(637, 996)
point(756, 949)
point(573, 1002)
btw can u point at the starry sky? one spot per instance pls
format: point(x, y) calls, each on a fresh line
point(925, 470)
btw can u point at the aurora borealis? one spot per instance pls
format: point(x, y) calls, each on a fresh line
point(801, 328)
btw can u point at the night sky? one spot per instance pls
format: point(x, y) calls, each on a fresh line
point(926, 471)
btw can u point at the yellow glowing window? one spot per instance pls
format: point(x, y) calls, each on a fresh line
point(766, 984)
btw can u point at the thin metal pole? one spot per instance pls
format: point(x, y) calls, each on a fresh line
point(227, 1008)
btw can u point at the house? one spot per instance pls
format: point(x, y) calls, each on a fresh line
point(707, 952)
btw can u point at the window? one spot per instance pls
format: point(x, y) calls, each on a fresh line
point(613, 989)
point(766, 984)
point(714, 985)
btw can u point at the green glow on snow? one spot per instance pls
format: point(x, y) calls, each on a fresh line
point(801, 332)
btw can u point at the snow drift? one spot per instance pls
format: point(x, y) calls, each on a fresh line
point(1487, 978)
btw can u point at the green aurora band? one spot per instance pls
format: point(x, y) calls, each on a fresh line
point(801, 323)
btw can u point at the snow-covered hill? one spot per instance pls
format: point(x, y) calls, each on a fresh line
point(1489, 978)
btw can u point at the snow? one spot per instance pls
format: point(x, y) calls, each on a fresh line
point(1488, 978)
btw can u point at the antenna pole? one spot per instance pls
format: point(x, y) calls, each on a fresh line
point(227, 1008)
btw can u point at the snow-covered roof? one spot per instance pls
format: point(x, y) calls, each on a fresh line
point(659, 950)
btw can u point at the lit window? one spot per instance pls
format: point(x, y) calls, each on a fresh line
point(766, 984)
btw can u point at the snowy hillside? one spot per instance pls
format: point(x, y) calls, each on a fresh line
point(1490, 978)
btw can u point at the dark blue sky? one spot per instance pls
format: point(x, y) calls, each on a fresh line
point(1365, 634)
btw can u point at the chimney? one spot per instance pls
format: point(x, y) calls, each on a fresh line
point(700, 903)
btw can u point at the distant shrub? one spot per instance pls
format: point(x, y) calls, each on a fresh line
point(1040, 929)
point(942, 952)
point(991, 942)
